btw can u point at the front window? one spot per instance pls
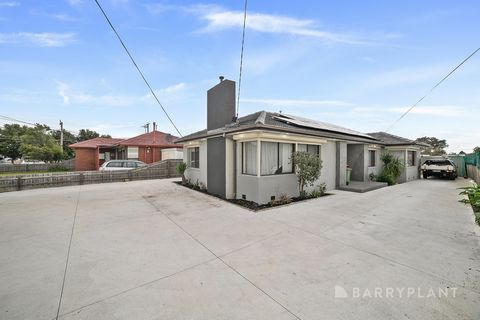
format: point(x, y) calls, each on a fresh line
point(275, 158)
point(372, 157)
point(310, 148)
point(194, 157)
point(249, 157)
point(411, 158)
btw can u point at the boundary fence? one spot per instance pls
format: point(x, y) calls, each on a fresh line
point(157, 170)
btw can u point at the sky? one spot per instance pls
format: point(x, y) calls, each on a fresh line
point(358, 64)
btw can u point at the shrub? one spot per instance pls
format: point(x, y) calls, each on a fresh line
point(319, 192)
point(392, 169)
point(307, 168)
point(473, 199)
point(180, 168)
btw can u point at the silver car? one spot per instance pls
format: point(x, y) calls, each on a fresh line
point(113, 165)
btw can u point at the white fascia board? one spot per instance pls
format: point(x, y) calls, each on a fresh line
point(276, 137)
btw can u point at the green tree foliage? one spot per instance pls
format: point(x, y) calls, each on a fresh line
point(68, 139)
point(307, 168)
point(10, 140)
point(476, 149)
point(87, 134)
point(37, 143)
point(392, 169)
point(437, 146)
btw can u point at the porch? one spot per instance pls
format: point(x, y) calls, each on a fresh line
point(362, 186)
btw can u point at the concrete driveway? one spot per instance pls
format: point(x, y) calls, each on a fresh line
point(155, 250)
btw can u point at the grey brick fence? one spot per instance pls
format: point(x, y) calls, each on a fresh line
point(158, 170)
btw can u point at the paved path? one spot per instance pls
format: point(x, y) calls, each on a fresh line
point(155, 250)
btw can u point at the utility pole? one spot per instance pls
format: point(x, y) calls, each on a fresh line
point(61, 134)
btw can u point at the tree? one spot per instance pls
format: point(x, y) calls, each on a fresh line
point(437, 146)
point(68, 138)
point(476, 149)
point(462, 152)
point(10, 140)
point(38, 143)
point(307, 169)
point(87, 134)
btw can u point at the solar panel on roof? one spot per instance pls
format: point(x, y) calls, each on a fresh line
point(308, 123)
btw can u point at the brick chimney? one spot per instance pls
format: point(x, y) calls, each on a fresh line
point(221, 104)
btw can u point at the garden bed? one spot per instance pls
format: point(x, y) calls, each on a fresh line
point(251, 205)
point(473, 199)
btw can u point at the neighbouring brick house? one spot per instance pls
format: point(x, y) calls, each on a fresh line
point(90, 154)
point(148, 147)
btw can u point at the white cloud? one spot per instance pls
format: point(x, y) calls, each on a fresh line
point(9, 4)
point(406, 75)
point(219, 18)
point(297, 102)
point(173, 88)
point(43, 39)
point(75, 2)
point(437, 111)
point(62, 92)
point(70, 96)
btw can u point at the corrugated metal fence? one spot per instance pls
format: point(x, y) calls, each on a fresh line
point(158, 170)
point(472, 163)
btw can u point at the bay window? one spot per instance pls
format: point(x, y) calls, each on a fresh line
point(275, 158)
point(249, 157)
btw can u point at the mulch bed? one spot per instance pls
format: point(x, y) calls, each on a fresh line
point(250, 204)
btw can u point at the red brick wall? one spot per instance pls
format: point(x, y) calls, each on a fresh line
point(85, 159)
point(154, 155)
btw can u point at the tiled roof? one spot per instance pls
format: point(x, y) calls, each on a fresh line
point(154, 138)
point(393, 140)
point(280, 122)
point(96, 142)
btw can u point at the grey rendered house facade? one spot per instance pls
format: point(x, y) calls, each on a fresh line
point(249, 157)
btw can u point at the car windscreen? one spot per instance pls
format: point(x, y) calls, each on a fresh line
point(439, 163)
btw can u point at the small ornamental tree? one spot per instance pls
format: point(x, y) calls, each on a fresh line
point(307, 169)
point(181, 167)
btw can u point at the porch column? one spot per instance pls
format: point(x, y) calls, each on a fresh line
point(258, 158)
point(341, 164)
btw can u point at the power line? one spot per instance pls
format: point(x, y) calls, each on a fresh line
point(434, 87)
point(136, 66)
point(241, 56)
point(16, 120)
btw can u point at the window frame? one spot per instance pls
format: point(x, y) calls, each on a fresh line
point(370, 153)
point(196, 160)
point(278, 158)
point(243, 158)
point(414, 156)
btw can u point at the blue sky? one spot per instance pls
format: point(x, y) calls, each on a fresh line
point(359, 64)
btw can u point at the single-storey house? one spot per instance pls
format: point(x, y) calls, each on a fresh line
point(249, 157)
point(148, 147)
point(90, 154)
point(408, 151)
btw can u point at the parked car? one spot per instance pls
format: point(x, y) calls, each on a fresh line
point(113, 165)
point(443, 168)
point(6, 161)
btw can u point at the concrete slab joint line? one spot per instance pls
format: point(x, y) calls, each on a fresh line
point(223, 261)
point(68, 252)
